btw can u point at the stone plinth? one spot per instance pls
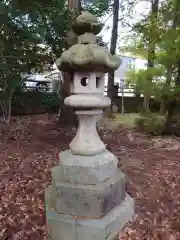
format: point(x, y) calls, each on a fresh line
point(87, 169)
point(68, 227)
point(92, 201)
point(87, 199)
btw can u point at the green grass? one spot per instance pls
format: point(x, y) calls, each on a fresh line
point(127, 120)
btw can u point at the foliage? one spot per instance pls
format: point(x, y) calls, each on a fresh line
point(53, 21)
point(150, 124)
point(50, 21)
point(25, 26)
point(133, 45)
point(97, 7)
point(156, 38)
point(50, 101)
point(18, 47)
point(34, 102)
point(140, 79)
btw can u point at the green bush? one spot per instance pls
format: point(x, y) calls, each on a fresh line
point(150, 124)
point(50, 101)
point(34, 103)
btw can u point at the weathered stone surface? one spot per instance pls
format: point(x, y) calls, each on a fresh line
point(88, 82)
point(87, 141)
point(89, 200)
point(57, 173)
point(87, 38)
point(65, 227)
point(87, 22)
point(87, 55)
point(87, 169)
point(86, 102)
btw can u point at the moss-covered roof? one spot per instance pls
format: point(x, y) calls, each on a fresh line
point(87, 55)
point(87, 22)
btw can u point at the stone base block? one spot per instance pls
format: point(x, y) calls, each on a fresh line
point(87, 169)
point(92, 201)
point(66, 227)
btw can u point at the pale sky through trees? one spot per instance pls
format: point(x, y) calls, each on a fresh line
point(139, 11)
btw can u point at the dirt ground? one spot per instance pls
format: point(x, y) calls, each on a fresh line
point(29, 148)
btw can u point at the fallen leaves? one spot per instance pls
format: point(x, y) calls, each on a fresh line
point(30, 149)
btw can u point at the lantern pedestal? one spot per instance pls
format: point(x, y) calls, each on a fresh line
point(87, 199)
point(87, 141)
point(67, 227)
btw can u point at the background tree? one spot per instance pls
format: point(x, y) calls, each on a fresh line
point(149, 32)
point(67, 116)
point(25, 24)
point(161, 79)
point(114, 37)
point(18, 51)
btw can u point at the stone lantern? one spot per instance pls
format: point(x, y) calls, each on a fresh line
point(87, 199)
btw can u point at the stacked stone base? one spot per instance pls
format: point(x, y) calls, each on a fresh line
point(87, 199)
point(67, 227)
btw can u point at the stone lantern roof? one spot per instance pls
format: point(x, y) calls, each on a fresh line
point(87, 55)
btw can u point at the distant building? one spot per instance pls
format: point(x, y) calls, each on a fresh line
point(128, 63)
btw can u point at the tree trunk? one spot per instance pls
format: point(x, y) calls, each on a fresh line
point(6, 110)
point(67, 115)
point(109, 110)
point(162, 109)
point(170, 113)
point(110, 87)
point(146, 108)
point(151, 46)
point(75, 5)
point(172, 104)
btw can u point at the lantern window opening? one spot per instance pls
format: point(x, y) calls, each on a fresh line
point(98, 79)
point(84, 81)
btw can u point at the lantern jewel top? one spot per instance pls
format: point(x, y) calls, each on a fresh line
point(87, 55)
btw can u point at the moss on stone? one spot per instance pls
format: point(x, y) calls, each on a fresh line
point(87, 22)
point(87, 55)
